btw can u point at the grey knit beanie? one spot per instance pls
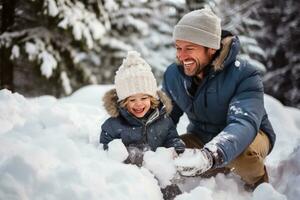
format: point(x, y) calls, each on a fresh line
point(134, 76)
point(201, 27)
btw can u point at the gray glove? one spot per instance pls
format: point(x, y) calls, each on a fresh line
point(135, 155)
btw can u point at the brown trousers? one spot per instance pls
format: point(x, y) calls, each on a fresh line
point(249, 165)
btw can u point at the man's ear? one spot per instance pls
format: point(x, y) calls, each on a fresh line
point(211, 51)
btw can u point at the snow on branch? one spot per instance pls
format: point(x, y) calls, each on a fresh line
point(84, 24)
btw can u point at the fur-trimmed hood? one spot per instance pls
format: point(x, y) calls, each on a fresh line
point(110, 102)
point(226, 46)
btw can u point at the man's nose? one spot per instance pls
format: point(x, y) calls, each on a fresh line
point(182, 55)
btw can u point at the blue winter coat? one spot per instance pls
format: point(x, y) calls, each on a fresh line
point(157, 131)
point(227, 109)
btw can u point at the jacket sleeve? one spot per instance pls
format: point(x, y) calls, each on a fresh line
point(244, 116)
point(176, 111)
point(107, 134)
point(173, 139)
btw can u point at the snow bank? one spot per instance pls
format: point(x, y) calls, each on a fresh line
point(49, 150)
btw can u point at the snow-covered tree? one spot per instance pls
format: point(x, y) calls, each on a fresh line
point(237, 18)
point(269, 32)
point(280, 39)
point(64, 44)
point(145, 26)
point(55, 36)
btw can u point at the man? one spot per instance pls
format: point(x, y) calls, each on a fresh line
point(222, 98)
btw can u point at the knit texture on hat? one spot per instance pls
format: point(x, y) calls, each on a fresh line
point(201, 27)
point(134, 76)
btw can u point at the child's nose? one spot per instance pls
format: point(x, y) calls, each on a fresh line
point(139, 102)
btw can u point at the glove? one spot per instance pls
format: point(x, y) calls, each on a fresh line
point(135, 156)
point(194, 162)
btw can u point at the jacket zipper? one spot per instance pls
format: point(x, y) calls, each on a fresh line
point(205, 90)
point(155, 117)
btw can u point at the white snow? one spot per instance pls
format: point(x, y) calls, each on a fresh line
point(49, 63)
point(192, 158)
point(261, 190)
point(15, 52)
point(85, 25)
point(49, 149)
point(31, 49)
point(161, 164)
point(117, 150)
point(237, 110)
point(66, 82)
point(52, 8)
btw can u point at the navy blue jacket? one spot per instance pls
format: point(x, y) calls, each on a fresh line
point(158, 130)
point(227, 109)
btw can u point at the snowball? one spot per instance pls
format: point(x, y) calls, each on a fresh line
point(191, 158)
point(117, 150)
point(161, 164)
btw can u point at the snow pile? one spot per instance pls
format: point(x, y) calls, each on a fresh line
point(263, 189)
point(161, 164)
point(49, 149)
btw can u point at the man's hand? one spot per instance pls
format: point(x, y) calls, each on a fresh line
point(194, 162)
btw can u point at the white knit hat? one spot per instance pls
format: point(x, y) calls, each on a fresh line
point(134, 76)
point(201, 27)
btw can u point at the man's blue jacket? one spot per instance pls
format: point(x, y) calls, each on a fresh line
point(227, 108)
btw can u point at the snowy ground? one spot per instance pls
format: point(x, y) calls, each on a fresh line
point(49, 150)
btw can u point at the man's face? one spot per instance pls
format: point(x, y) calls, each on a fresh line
point(193, 57)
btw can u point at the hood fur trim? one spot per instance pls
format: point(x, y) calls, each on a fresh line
point(218, 63)
point(110, 102)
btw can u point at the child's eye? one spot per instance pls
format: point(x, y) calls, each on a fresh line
point(131, 99)
point(144, 98)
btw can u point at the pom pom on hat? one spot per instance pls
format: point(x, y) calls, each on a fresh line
point(201, 27)
point(134, 76)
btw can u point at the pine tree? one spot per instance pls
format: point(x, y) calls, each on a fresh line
point(57, 46)
point(237, 18)
point(55, 36)
point(281, 41)
point(269, 33)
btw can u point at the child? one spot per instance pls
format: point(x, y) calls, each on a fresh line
point(139, 115)
point(139, 112)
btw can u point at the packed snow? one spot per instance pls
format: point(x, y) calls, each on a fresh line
point(49, 149)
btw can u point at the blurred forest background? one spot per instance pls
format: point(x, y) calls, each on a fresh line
point(57, 46)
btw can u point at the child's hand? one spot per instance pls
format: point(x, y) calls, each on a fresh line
point(135, 156)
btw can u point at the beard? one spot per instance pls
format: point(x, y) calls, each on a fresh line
point(198, 69)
